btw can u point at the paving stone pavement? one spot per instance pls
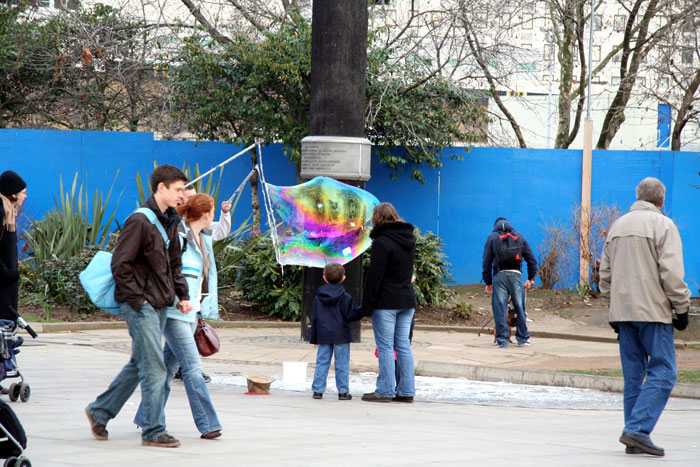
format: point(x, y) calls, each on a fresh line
point(68, 370)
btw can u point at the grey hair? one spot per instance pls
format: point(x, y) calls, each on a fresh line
point(651, 190)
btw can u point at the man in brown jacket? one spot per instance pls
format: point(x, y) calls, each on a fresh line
point(642, 274)
point(147, 270)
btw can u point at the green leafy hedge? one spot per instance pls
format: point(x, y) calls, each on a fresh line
point(261, 281)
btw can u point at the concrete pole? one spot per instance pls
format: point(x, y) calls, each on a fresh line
point(338, 62)
point(586, 171)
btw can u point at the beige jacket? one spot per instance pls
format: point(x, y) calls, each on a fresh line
point(642, 267)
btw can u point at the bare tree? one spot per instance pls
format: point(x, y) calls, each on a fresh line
point(676, 68)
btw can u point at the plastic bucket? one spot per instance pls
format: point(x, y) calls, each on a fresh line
point(294, 373)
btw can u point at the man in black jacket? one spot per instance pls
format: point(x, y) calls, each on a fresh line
point(504, 252)
point(148, 275)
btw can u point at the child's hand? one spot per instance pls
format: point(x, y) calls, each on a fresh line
point(315, 345)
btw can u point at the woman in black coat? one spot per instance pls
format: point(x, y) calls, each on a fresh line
point(390, 299)
point(13, 192)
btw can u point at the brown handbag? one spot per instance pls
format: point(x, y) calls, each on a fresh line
point(206, 339)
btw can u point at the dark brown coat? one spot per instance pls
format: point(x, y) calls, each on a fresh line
point(143, 269)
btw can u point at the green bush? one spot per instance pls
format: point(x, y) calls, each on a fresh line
point(261, 280)
point(55, 282)
point(431, 269)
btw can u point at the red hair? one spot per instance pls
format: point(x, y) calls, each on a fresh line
point(196, 207)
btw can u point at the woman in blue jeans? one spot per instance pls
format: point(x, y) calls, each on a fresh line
point(391, 301)
point(180, 350)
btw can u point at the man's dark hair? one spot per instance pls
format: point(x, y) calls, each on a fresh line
point(499, 219)
point(334, 272)
point(166, 174)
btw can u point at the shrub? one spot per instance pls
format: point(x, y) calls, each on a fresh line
point(55, 282)
point(430, 268)
point(262, 282)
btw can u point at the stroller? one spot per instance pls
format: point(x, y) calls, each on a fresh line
point(13, 440)
point(9, 341)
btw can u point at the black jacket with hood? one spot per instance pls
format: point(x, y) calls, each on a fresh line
point(388, 284)
point(9, 273)
point(330, 310)
point(143, 269)
point(490, 266)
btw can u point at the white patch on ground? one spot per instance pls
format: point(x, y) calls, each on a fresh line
point(462, 390)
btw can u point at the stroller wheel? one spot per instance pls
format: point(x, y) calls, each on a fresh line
point(9, 462)
point(14, 392)
point(23, 462)
point(24, 392)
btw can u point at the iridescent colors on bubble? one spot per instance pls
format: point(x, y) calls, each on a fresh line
point(321, 221)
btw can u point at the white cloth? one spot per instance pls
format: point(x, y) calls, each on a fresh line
point(221, 229)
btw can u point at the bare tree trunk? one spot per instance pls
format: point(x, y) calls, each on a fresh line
point(254, 198)
point(684, 112)
point(616, 113)
point(566, 39)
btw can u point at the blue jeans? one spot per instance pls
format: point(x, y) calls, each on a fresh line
point(509, 284)
point(391, 329)
point(181, 352)
point(646, 350)
point(146, 367)
point(342, 367)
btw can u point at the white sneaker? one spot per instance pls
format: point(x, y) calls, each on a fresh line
point(524, 344)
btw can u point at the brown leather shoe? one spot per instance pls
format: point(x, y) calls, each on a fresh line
point(211, 435)
point(97, 429)
point(163, 441)
point(374, 397)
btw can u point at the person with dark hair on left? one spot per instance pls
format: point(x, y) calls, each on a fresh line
point(13, 192)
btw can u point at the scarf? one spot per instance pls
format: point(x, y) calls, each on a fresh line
point(10, 213)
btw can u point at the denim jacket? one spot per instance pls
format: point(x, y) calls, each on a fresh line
point(206, 303)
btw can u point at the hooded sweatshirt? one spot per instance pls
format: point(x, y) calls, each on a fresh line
point(388, 284)
point(490, 266)
point(331, 308)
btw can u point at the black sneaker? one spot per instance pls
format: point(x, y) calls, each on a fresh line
point(344, 396)
point(97, 429)
point(631, 450)
point(163, 441)
point(207, 378)
point(407, 399)
point(318, 395)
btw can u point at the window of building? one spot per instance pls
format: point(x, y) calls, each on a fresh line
point(641, 80)
point(687, 56)
point(526, 36)
point(597, 22)
point(596, 53)
point(615, 81)
point(527, 21)
point(689, 26)
point(380, 2)
point(526, 45)
point(620, 23)
point(70, 4)
point(617, 58)
point(547, 49)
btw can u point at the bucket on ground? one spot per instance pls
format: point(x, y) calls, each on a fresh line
point(294, 373)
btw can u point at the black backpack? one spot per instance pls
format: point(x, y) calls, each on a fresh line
point(509, 249)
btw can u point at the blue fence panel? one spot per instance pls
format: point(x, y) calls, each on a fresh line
point(460, 201)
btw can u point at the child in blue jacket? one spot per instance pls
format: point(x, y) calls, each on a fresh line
point(330, 331)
